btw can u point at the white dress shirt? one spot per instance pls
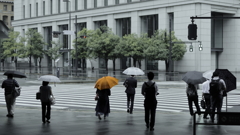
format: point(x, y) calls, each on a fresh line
point(205, 87)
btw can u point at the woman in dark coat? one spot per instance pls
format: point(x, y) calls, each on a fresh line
point(103, 106)
point(192, 98)
point(46, 92)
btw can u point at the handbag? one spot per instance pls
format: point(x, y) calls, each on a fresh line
point(203, 104)
point(38, 95)
point(16, 92)
point(96, 98)
point(52, 100)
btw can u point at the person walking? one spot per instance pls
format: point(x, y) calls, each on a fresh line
point(46, 92)
point(103, 105)
point(217, 87)
point(150, 91)
point(130, 84)
point(9, 86)
point(207, 98)
point(192, 95)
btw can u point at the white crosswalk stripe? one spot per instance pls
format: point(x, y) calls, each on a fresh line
point(82, 96)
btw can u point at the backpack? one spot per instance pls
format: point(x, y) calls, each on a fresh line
point(191, 92)
point(214, 87)
point(150, 92)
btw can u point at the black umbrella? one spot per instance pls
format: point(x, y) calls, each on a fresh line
point(228, 77)
point(15, 74)
point(193, 77)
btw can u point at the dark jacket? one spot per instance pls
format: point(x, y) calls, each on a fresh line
point(46, 92)
point(9, 85)
point(130, 84)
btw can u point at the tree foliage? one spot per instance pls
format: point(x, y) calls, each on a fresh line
point(101, 43)
point(13, 46)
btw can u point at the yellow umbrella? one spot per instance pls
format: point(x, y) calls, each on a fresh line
point(106, 82)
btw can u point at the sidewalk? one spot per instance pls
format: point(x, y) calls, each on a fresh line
point(27, 121)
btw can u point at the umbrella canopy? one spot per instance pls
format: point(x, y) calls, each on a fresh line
point(15, 74)
point(193, 77)
point(49, 78)
point(228, 77)
point(106, 82)
point(208, 74)
point(133, 71)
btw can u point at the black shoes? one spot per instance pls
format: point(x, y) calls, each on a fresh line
point(128, 110)
point(99, 117)
point(151, 129)
point(10, 115)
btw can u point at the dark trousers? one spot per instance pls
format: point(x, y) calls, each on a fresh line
point(150, 111)
point(46, 106)
point(130, 101)
point(195, 100)
point(207, 98)
point(217, 102)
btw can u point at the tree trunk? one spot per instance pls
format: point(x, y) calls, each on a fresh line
point(114, 63)
point(134, 62)
point(139, 63)
point(30, 61)
point(15, 61)
point(167, 65)
point(106, 63)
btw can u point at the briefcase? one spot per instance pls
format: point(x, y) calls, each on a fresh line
point(38, 95)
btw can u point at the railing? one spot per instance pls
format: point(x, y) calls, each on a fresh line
point(95, 74)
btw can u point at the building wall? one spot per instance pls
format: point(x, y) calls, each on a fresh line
point(8, 12)
point(182, 10)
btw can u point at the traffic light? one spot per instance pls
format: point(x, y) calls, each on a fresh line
point(83, 36)
point(192, 31)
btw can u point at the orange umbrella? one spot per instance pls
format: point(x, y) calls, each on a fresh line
point(106, 82)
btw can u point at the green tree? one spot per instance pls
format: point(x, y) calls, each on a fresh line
point(82, 48)
point(159, 48)
point(34, 47)
point(133, 46)
point(53, 53)
point(101, 43)
point(13, 46)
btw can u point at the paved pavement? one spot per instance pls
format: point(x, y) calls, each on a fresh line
point(27, 121)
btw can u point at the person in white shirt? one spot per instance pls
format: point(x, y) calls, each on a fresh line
point(207, 98)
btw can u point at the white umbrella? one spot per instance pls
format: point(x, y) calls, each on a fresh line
point(208, 74)
point(133, 71)
point(49, 78)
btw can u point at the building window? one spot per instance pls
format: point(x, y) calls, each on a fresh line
point(37, 9)
point(217, 31)
point(95, 3)
point(4, 7)
point(23, 11)
point(171, 17)
point(43, 8)
point(5, 19)
point(12, 8)
point(51, 6)
point(105, 3)
point(123, 26)
point(81, 26)
point(149, 24)
point(30, 10)
point(85, 4)
point(116, 2)
point(59, 6)
point(98, 24)
point(64, 38)
point(76, 5)
point(67, 6)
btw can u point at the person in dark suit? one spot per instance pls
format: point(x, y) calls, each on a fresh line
point(130, 84)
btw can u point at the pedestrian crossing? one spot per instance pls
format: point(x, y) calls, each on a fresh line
point(80, 96)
